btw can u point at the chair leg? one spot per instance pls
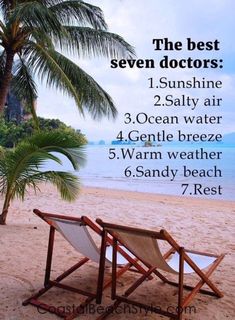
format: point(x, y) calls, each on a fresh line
point(114, 269)
point(181, 283)
point(203, 281)
point(49, 255)
point(101, 268)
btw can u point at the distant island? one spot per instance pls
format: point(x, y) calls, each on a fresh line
point(228, 138)
point(118, 142)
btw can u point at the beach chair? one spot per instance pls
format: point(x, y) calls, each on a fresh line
point(76, 231)
point(144, 245)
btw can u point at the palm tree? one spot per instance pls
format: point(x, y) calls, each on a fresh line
point(21, 168)
point(33, 33)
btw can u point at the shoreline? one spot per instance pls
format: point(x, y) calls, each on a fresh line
point(155, 195)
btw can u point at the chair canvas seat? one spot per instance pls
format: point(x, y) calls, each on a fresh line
point(141, 246)
point(80, 239)
point(201, 261)
point(120, 259)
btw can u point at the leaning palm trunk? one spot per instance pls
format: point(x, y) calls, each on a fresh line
point(5, 208)
point(6, 79)
point(3, 217)
point(6, 205)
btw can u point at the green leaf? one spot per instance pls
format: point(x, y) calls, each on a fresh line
point(61, 73)
point(87, 42)
point(43, 63)
point(33, 14)
point(66, 183)
point(24, 87)
point(68, 12)
point(21, 168)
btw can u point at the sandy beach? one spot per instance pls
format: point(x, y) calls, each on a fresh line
point(205, 225)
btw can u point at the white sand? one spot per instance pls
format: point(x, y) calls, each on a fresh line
point(205, 225)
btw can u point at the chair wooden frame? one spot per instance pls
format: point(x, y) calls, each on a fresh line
point(48, 283)
point(112, 229)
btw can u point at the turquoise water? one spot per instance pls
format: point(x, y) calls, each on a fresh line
point(100, 171)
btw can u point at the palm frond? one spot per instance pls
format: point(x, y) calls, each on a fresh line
point(70, 145)
point(5, 7)
point(61, 73)
point(2, 28)
point(68, 12)
point(34, 14)
point(43, 38)
point(22, 167)
point(25, 159)
point(24, 86)
point(23, 82)
point(46, 67)
point(94, 98)
point(88, 42)
point(2, 56)
point(67, 183)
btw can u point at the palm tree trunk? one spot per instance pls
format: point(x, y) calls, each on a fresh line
point(6, 79)
point(5, 208)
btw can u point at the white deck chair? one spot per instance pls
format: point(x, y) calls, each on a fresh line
point(143, 244)
point(75, 231)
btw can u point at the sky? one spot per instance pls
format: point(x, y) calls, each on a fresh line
point(139, 22)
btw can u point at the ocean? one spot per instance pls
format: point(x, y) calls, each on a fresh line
point(211, 178)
